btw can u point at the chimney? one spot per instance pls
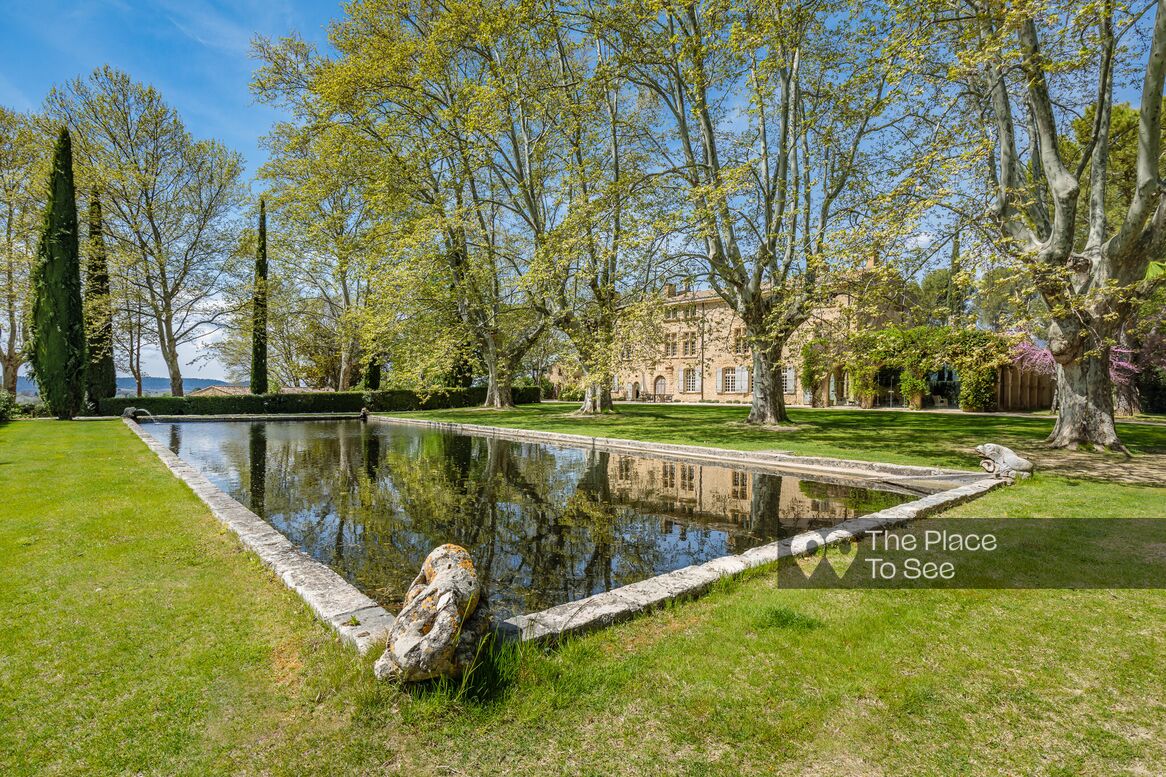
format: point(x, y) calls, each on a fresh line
point(669, 289)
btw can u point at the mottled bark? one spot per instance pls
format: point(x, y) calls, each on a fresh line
point(499, 389)
point(768, 399)
point(1128, 399)
point(596, 399)
point(1085, 404)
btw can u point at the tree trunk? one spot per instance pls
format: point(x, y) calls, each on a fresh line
point(821, 394)
point(768, 400)
point(169, 350)
point(170, 354)
point(1128, 399)
point(498, 389)
point(765, 505)
point(596, 400)
point(10, 370)
point(1085, 404)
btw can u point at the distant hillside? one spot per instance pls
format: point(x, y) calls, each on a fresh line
point(127, 387)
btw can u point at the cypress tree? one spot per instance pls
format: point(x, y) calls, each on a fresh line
point(100, 376)
point(259, 310)
point(372, 374)
point(58, 325)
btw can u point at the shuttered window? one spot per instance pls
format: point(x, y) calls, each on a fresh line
point(729, 381)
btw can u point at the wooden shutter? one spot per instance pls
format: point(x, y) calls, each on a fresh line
point(720, 381)
point(742, 380)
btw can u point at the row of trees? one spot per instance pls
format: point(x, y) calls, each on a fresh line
point(540, 166)
point(70, 348)
point(458, 184)
point(164, 211)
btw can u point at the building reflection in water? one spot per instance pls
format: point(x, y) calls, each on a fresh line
point(545, 524)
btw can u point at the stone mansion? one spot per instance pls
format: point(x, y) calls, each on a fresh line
point(705, 357)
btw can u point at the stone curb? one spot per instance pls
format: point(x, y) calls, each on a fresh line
point(619, 604)
point(902, 478)
point(338, 603)
point(355, 617)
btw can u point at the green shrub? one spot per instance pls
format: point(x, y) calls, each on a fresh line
point(322, 402)
point(8, 407)
point(977, 390)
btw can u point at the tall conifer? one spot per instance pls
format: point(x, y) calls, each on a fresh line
point(58, 325)
point(101, 377)
point(259, 310)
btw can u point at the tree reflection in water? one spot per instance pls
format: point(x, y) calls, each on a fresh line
point(545, 524)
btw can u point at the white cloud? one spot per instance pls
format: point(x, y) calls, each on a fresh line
point(204, 24)
point(922, 240)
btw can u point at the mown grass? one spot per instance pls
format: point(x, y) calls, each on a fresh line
point(136, 637)
point(938, 439)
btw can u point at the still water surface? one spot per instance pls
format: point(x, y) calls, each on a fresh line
point(546, 524)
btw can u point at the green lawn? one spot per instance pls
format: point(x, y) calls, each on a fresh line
point(943, 439)
point(136, 637)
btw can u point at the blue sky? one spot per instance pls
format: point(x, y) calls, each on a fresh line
point(195, 52)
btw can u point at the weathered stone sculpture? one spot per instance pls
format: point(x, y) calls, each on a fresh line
point(438, 630)
point(1003, 462)
point(130, 413)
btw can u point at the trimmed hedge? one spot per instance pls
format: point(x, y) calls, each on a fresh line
point(322, 402)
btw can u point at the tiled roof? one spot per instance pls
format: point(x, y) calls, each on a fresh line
point(220, 391)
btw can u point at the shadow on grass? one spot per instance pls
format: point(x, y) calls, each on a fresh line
point(492, 673)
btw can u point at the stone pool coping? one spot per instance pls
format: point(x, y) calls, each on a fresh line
point(361, 622)
point(357, 619)
point(619, 604)
point(901, 478)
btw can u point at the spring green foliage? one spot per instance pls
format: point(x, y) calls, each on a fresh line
point(976, 355)
point(58, 351)
point(8, 406)
point(100, 374)
point(259, 309)
point(1082, 229)
point(918, 351)
point(169, 205)
point(23, 154)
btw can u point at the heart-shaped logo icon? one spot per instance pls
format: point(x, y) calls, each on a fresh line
point(809, 552)
point(841, 555)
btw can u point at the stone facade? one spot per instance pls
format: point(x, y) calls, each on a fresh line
point(705, 357)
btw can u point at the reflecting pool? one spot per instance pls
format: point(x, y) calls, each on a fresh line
point(546, 524)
